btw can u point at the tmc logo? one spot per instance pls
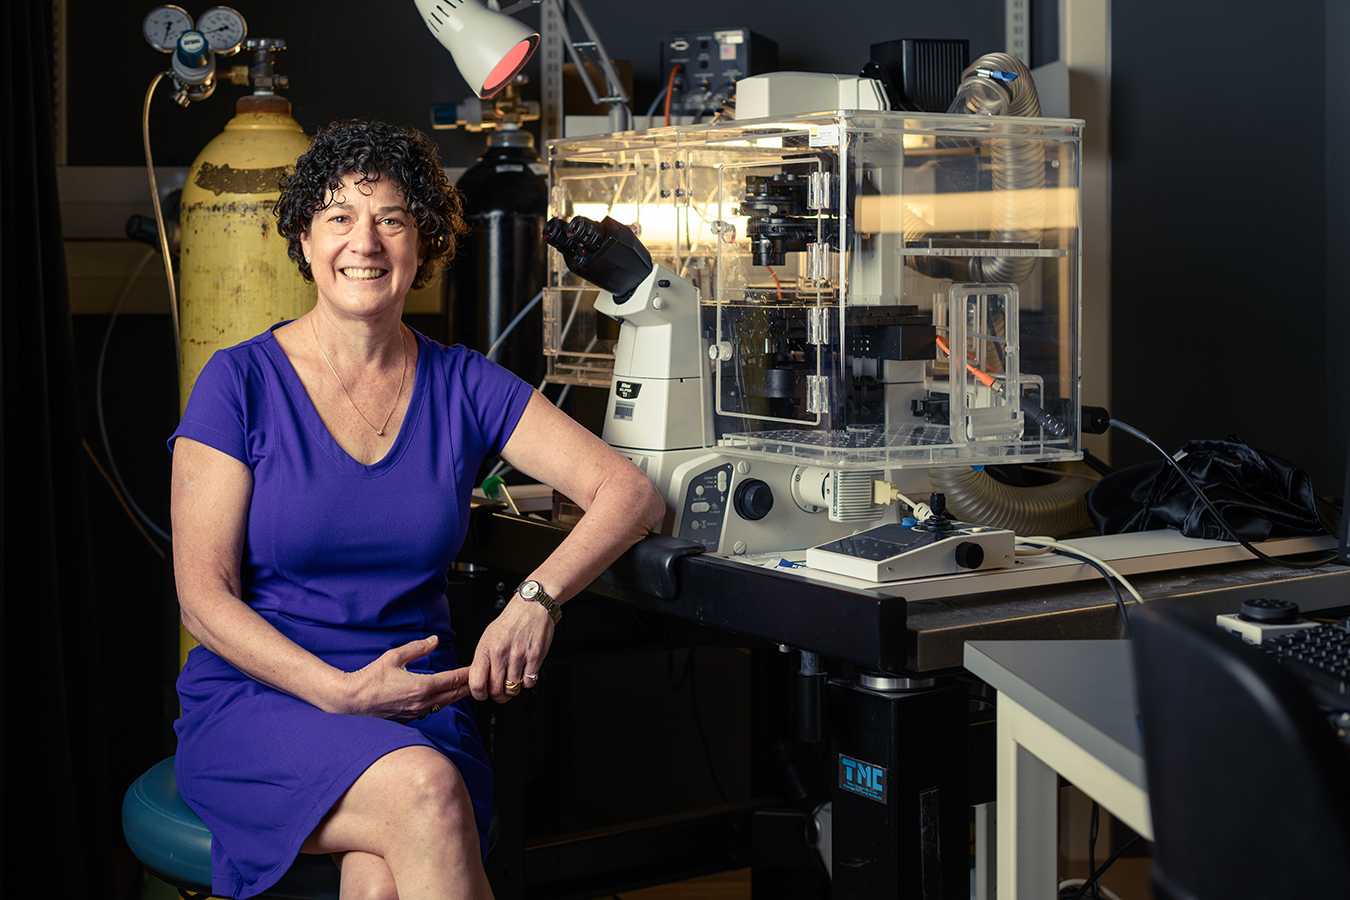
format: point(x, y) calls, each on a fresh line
point(861, 777)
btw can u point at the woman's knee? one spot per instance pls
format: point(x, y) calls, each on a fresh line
point(407, 796)
point(431, 785)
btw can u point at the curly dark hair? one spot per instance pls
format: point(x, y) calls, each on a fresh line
point(374, 150)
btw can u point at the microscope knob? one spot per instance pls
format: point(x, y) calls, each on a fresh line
point(969, 555)
point(753, 499)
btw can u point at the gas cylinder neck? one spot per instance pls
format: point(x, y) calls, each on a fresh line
point(511, 138)
point(262, 105)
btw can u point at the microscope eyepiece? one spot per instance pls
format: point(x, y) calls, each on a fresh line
point(584, 232)
point(554, 230)
point(605, 253)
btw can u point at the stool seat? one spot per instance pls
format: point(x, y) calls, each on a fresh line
point(171, 841)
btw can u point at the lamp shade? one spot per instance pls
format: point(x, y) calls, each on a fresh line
point(488, 47)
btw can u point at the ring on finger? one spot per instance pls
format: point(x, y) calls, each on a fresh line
point(512, 686)
point(531, 678)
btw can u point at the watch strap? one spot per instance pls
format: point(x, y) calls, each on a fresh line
point(541, 597)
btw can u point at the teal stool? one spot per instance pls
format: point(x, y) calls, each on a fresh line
point(174, 845)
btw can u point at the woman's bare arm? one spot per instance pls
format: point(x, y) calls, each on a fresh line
point(622, 507)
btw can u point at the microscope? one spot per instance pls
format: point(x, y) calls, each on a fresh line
point(806, 314)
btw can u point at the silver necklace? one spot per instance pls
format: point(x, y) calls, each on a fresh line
point(402, 378)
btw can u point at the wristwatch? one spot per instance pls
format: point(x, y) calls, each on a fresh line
point(532, 590)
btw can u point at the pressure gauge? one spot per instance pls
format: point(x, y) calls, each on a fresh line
point(224, 29)
point(164, 25)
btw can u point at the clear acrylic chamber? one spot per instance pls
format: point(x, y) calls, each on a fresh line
point(839, 259)
point(877, 290)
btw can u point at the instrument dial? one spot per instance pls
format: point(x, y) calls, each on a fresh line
point(224, 28)
point(163, 26)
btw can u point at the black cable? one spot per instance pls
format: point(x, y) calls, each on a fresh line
point(1110, 582)
point(698, 724)
point(1098, 873)
point(670, 669)
point(1092, 845)
point(1096, 464)
point(1288, 564)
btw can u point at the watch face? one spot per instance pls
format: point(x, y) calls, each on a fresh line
point(529, 590)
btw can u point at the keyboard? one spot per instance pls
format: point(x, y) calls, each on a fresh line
point(1319, 656)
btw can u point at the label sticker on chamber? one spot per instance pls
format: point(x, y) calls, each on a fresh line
point(824, 136)
point(624, 411)
point(862, 778)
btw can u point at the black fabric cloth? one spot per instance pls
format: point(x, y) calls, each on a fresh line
point(1259, 495)
point(58, 814)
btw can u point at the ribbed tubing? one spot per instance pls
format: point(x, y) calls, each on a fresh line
point(1019, 177)
point(1055, 510)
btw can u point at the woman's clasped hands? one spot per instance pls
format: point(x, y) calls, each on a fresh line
point(386, 689)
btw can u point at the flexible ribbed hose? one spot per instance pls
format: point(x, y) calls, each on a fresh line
point(1057, 509)
point(1018, 171)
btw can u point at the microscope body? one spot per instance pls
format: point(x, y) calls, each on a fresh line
point(798, 317)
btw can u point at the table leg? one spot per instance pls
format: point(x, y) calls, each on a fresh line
point(901, 809)
point(986, 846)
point(1027, 813)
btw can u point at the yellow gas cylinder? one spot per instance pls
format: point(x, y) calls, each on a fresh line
point(235, 277)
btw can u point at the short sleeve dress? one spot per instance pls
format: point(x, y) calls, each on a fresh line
point(347, 560)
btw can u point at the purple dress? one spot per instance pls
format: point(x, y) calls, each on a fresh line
point(348, 561)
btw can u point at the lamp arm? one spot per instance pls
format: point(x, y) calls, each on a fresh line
point(613, 84)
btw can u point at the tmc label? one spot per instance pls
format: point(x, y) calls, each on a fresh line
point(862, 778)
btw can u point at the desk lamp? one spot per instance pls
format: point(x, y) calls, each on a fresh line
point(489, 48)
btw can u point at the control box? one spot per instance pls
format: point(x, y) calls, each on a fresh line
point(1255, 632)
point(712, 60)
point(893, 551)
point(1260, 618)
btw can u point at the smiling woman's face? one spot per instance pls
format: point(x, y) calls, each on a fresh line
point(363, 248)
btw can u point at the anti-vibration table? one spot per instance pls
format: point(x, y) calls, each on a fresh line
point(896, 700)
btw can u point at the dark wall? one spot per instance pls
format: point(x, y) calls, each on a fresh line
point(1338, 239)
point(1219, 214)
point(811, 37)
point(355, 59)
point(344, 59)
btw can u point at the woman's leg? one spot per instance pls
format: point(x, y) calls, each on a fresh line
point(364, 877)
point(412, 809)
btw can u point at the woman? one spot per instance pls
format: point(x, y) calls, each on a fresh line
point(321, 480)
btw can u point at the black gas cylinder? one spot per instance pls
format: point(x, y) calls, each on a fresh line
point(501, 263)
